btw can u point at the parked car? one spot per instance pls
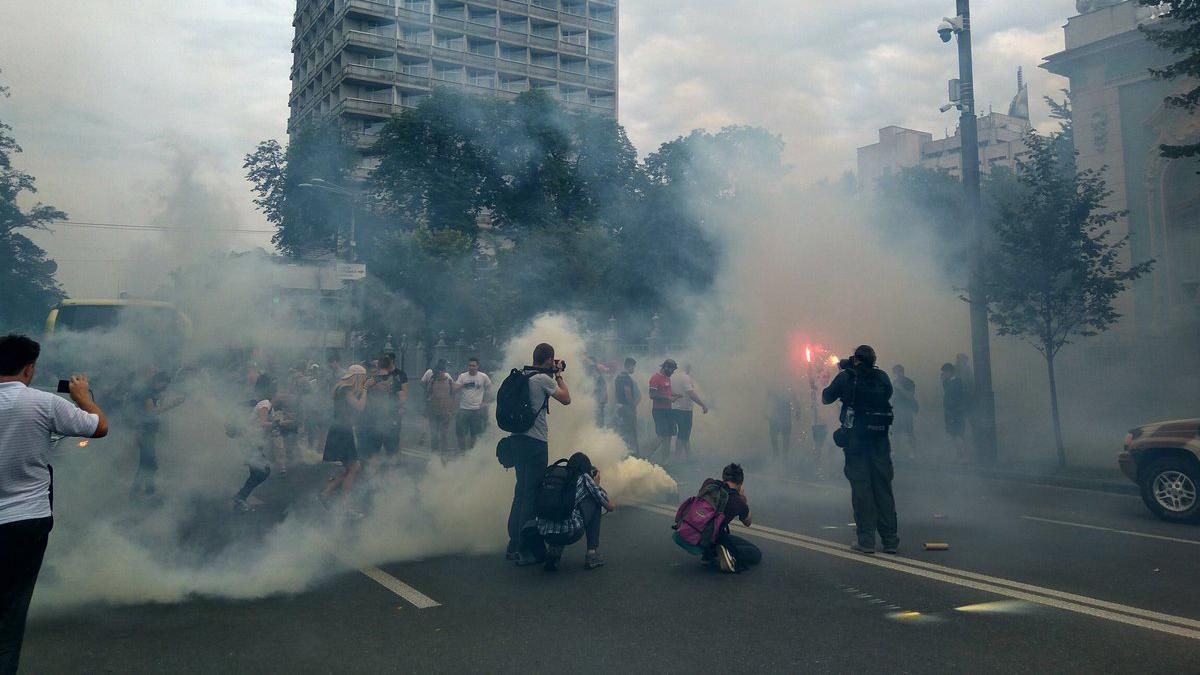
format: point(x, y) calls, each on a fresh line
point(1164, 460)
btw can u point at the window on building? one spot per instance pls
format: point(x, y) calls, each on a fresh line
point(415, 68)
point(412, 99)
point(543, 59)
point(574, 65)
point(544, 30)
point(574, 94)
point(449, 72)
point(515, 84)
point(600, 12)
point(452, 10)
point(483, 16)
point(415, 5)
point(543, 85)
point(548, 4)
point(455, 41)
point(603, 99)
point(516, 24)
point(417, 36)
point(510, 53)
point(378, 28)
point(482, 47)
point(602, 70)
point(575, 37)
point(602, 42)
point(482, 78)
point(377, 94)
point(574, 7)
point(376, 61)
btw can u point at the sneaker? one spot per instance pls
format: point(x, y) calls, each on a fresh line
point(240, 506)
point(593, 560)
point(553, 553)
point(892, 547)
point(525, 559)
point(726, 561)
point(859, 548)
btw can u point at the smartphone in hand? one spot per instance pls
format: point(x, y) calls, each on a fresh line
point(64, 386)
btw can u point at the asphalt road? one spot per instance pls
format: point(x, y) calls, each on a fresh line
point(1037, 579)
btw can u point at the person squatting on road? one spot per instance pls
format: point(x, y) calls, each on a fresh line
point(474, 389)
point(527, 448)
point(349, 399)
point(733, 553)
point(28, 418)
point(585, 501)
point(263, 428)
point(865, 393)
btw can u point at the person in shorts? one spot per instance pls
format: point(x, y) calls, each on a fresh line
point(473, 388)
point(661, 398)
point(681, 408)
point(349, 399)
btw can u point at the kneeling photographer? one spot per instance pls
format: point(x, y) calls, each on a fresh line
point(865, 393)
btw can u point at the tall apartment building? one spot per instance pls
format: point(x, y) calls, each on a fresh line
point(366, 60)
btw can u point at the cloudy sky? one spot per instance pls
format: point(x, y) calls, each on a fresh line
point(138, 113)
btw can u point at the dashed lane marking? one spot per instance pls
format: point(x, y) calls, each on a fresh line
point(1101, 609)
point(1110, 529)
point(413, 596)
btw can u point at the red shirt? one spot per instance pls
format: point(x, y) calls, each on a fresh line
point(661, 386)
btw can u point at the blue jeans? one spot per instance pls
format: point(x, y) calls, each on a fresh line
point(532, 456)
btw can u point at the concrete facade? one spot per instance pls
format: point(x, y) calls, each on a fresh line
point(1120, 121)
point(366, 60)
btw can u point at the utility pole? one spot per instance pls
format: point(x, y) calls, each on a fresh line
point(984, 412)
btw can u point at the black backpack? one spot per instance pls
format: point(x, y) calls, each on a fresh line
point(514, 411)
point(556, 493)
point(872, 407)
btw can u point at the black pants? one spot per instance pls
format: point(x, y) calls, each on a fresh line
point(627, 426)
point(591, 511)
point(532, 456)
point(260, 469)
point(744, 553)
point(468, 426)
point(22, 546)
point(870, 472)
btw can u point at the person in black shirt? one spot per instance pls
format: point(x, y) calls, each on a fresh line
point(381, 426)
point(150, 405)
point(625, 392)
point(865, 392)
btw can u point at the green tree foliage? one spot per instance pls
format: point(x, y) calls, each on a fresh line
point(26, 273)
point(305, 219)
point(1055, 269)
point(1179, 33)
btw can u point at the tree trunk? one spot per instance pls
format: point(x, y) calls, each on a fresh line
point(1058, 442)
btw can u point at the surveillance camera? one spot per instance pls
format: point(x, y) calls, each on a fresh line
point(948, 106)
point(950, 27)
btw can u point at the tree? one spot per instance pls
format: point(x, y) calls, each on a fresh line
point(1179, 33)
point(26, 272)
point(1055, 270)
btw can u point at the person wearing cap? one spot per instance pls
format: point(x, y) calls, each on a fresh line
point(661, 398)
point(865, 393)
point(349, 399)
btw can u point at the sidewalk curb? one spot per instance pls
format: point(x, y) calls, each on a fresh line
point(1073, 482)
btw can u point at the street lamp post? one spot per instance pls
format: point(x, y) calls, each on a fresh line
point(984, 423)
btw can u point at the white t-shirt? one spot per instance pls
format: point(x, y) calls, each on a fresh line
point(27, 418)
point(682, 383)
point(427, 376)
point(541, 386)
point(472, 389)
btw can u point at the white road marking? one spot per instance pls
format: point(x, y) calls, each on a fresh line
point(412, 595)
point(1111, 611)
point(1110, 529)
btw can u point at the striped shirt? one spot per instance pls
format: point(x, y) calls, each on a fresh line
point(584, 487)
point(27, 419)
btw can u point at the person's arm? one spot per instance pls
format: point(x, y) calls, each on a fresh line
point(748, 518)
point(357, 398)
point(655, 395)
point(456, 385)
point(592, 483)
point(561, 393)
point(264, 416)
point(403, 393)
point(692, 395)
point(834, 390)
point(81, 394)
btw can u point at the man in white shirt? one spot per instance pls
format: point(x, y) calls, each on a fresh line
point(473, 389)
point(682, 383)
point(28, 417)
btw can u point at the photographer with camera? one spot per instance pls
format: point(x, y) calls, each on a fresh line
point(28, 418)
point(865, 392)
point(527, 449)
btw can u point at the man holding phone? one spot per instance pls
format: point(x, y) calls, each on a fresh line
point(28, 417)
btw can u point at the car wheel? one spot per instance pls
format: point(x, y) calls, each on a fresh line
point(1169, 488)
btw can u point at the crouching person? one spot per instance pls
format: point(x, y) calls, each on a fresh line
point(702, 522)
point(571, 488)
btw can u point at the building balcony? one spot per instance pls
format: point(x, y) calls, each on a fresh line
point(576, 20)
point(568, 76)
point(543, 72)
point(514, 67)
point(537, 12)
point(365, 141)
point(369, 9)
point(479, 60)
point(598, 24)
point(572, 48)
point(543, 42)
point(365, 108)
point(446, 22)
point(370, 42)
point(602, 53)
point(606, 83)
point(412, 16)
point(514, 37)
point(481, 30)
point(493, 4)
point(413, 49)
point(368, 74)
point(450, 55)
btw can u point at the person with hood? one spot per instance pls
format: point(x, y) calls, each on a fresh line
point(349, 399)
point(591, 501)
point(865, 393)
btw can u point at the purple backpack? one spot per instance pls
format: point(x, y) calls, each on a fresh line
point(699, 519)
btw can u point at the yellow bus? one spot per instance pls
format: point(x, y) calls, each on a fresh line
point(79, 315)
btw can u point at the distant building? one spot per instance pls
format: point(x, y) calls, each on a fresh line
point(366, 60)
point(1119, 122)
point(898, 148)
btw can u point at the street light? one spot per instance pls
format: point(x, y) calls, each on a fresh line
point(321, 184)
point(984, 426)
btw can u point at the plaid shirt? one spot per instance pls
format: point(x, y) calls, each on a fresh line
point(584, 487)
